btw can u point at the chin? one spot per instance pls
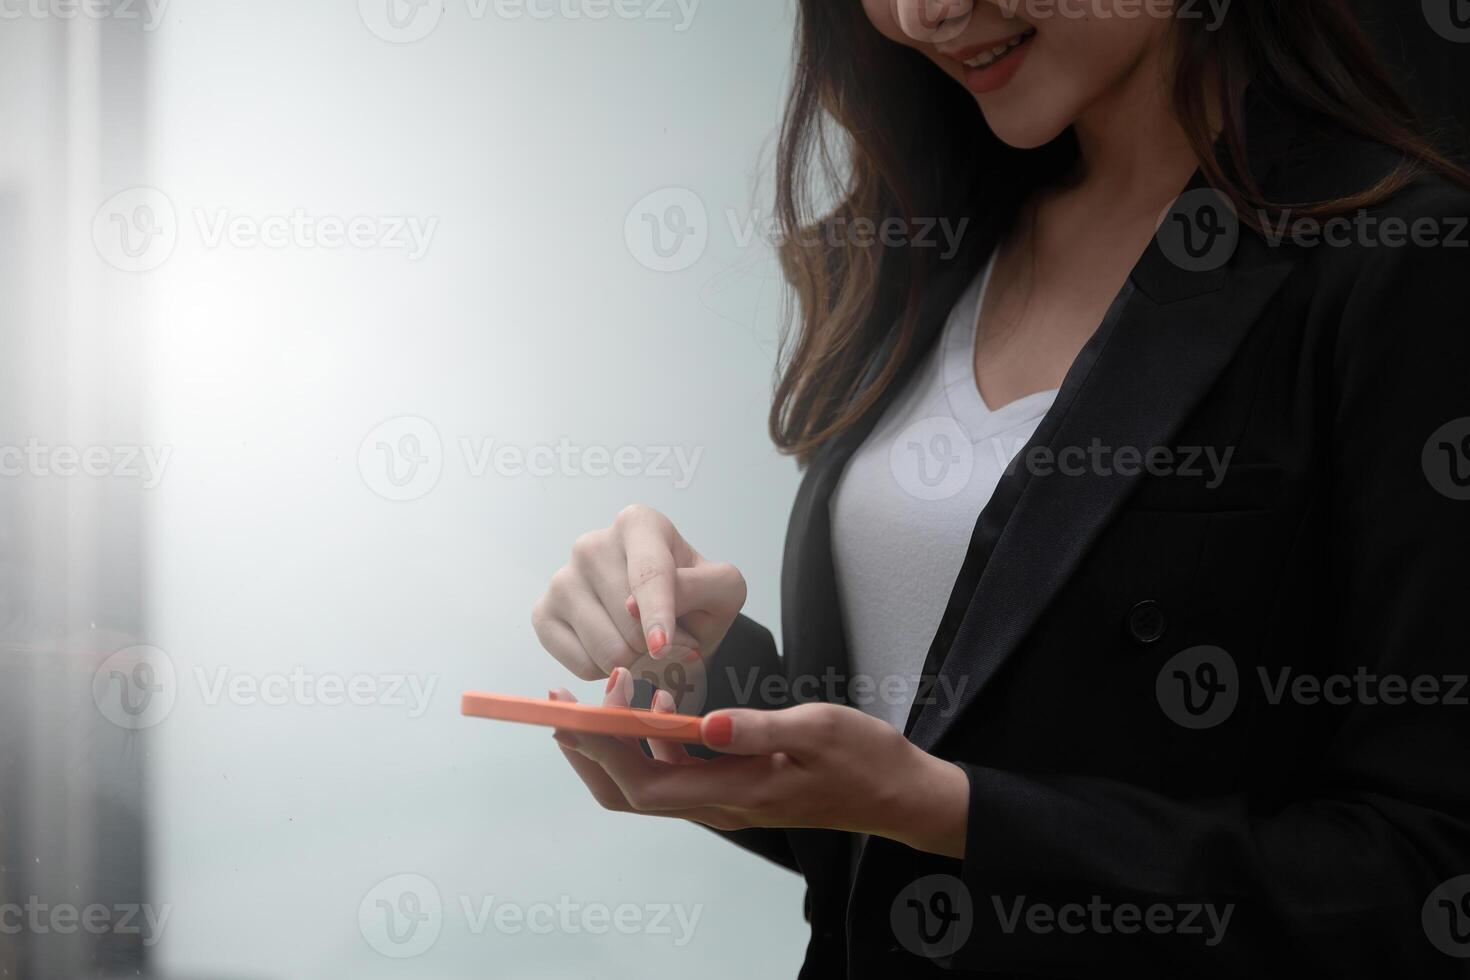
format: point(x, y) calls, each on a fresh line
point(1021, 127)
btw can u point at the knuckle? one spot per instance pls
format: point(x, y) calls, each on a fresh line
point(586, 672)
point(562, 582)
point(610, 650)
point(654, 796)
point(820, 721)
point(631, 514)
point(649, 795)
point(641, 515)
point(623, 656)
point(806, 711)
point(611, 801)
point(587, 547)
point(731, 582)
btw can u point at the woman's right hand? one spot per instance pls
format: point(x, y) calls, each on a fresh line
point(635, 588)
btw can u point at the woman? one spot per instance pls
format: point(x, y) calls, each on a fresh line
point(1121, 593)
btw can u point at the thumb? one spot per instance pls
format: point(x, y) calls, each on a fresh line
point(746, 731)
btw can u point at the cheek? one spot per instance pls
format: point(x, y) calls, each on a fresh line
point(1094, 52)
point(1076, 62)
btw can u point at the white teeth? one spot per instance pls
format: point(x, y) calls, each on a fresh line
point(987, 58)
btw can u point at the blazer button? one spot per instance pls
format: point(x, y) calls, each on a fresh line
point(1146, 621)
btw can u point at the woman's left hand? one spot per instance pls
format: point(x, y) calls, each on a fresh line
point(813, 765)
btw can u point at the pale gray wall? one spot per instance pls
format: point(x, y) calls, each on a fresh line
point(528, 320)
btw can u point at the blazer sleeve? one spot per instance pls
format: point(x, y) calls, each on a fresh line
point(1344, 878)
point(738, 677)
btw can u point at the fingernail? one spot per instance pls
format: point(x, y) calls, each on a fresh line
point(718, 730)
point(657, 639)
point(551, 694)
point(663, 701)
point(612, 681)
point(692, 656)
point(632, 606)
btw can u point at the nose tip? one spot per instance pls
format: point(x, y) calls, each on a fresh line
point(933, 21)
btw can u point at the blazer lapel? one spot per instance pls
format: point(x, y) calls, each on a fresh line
point(1166, 339)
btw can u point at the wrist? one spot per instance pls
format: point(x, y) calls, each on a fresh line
point(932, 807)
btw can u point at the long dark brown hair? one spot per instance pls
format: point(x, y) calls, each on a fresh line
point(870, 134)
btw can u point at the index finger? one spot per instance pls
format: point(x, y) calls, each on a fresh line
point(648, 542)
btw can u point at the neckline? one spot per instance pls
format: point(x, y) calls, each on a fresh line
point(957, 369)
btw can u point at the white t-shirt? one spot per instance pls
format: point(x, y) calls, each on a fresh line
point(906, 506)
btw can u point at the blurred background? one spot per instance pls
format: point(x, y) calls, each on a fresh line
point(324, 329)
point(327, 327)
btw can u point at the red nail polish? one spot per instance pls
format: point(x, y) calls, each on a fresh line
point(718, 731)
point(692, 657)
point(612, 680)
point(657, 639)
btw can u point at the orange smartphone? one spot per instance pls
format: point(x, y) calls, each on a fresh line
point(592, 719)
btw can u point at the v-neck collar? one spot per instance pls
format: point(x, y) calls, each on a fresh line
point(956, 367)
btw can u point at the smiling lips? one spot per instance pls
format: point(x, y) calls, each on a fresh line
point(985, 55)
point(992, 65)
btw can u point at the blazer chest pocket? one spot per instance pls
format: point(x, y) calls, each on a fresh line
point(1204, 487)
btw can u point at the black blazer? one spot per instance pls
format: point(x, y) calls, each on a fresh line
point(1091, 606)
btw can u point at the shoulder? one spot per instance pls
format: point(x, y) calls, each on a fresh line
point(1385, 283)
point(1409, 246)
point(1313, 158)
